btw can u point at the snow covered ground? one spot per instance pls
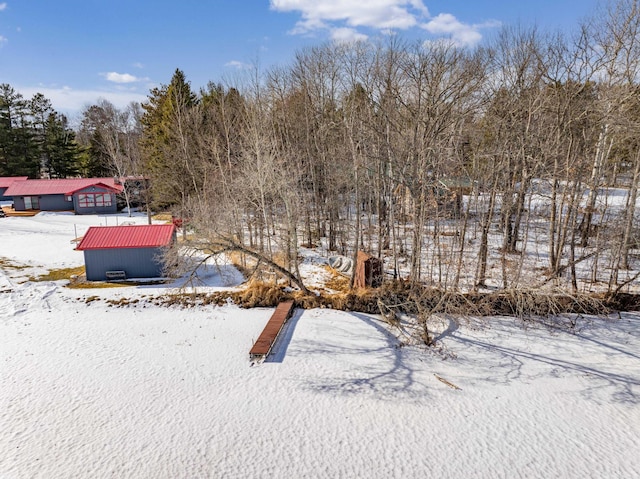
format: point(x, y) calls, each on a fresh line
point(91, 390)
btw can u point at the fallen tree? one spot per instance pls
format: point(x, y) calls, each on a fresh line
point(186, 257)
point(403, 298)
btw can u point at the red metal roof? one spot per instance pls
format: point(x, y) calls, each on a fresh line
point(97, 185)
point(5, 181)
point(56, 186)
point(138, 236)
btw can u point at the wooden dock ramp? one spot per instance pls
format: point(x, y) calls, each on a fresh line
point(265, 342)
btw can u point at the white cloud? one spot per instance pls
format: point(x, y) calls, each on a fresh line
point(121, 77)
point(71, 102)
point(462, 34)
point(3, 40)
point(138, 65)
point(341, 18)
point(308, 25)
point(346, 35)
point(238, 65)
point(379, 14)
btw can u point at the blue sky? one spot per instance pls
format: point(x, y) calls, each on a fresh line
point(76, 51)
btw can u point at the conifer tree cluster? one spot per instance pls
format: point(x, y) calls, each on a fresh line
point(35, 140)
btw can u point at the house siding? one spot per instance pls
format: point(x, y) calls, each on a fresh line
point(94, 210)
point(58, 202)
point(47, 203)
point(135, 262)
point(18, 203)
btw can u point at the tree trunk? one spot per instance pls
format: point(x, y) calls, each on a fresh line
point(630, 212)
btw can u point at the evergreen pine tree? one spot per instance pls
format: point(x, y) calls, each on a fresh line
point(61, 152)
point(164, 138)
point(18, 151)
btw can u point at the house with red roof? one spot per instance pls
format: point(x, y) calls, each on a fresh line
point(125, 252)
point(81, 195)
point(5, 182)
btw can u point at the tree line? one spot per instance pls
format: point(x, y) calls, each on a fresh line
point(35, 140)
point(461, 167)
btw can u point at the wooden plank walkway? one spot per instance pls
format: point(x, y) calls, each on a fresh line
point(8, 211)
point(265, 342)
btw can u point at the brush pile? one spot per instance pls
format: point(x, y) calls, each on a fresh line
point(399, 297)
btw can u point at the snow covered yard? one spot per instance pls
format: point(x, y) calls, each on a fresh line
point(141, 391)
